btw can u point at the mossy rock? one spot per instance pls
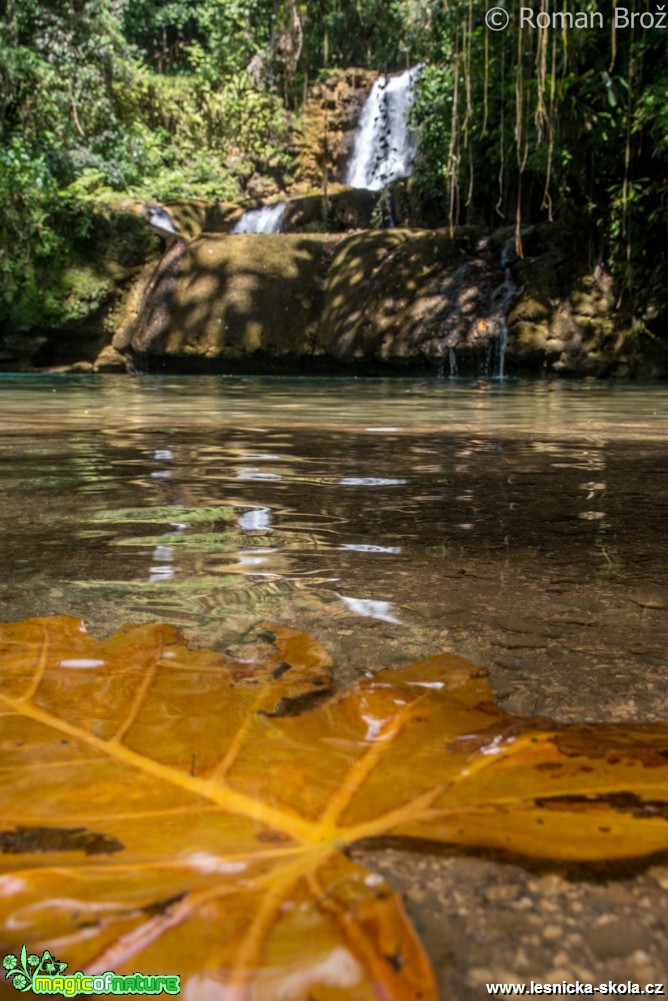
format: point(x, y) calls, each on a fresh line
point(389, 292)
point(224, 299)
point(395, 300)
point(221, 217)
point(338, 212)
point(326, 132)
point(87, 287)
point(189, 214)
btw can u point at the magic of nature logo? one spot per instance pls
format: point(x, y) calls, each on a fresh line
point(45, 975)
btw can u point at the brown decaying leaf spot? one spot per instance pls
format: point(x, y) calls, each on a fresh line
point(233, 811)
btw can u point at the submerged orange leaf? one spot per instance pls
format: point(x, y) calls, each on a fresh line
point(175, 811)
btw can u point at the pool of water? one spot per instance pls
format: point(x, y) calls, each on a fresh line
point(534, 407)
point(523, 524)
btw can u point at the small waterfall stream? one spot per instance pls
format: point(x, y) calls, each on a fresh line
point(452, 359)
point(266, 219)
point(503, 299)
point(475, 321)
point(384, 146)
point(160, 218)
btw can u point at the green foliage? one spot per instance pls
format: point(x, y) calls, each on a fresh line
point(188, 98)
point(230, 35)
point(529, 125)
point(216, 39)
point(381, 34)
point(83, 119)
point(161, 30)
point(206, 36)
point(62, 68)
point(27, 237)
point(224, 135)
point(433, 114)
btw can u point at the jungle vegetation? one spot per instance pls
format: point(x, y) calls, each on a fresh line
point(191, 98)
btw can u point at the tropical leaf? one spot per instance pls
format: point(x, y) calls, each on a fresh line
point(175, 811)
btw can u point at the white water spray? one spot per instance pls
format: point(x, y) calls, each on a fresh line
point(160, 218)
point(384, 146)
point(266, 219)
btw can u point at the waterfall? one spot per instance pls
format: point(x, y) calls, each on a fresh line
point(503, 344)
point(452, 358)
point(160, 218)
point(384, 146)
point(504, 296)
point(266, 219)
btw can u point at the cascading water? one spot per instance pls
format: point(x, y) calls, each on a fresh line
point(160, 218)
point(471, 321)
point(384, 146)
point(266, 219)
point(452, 359)
point(504, 296)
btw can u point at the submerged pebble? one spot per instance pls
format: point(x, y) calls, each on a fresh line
point(650, 596)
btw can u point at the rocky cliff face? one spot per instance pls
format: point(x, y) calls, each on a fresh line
point(384, 301)
point(372, 301)
point(326, 134)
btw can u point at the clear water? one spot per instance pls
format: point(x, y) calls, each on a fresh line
point(524, 525)
point(516, 523)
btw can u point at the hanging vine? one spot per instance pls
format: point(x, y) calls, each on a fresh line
point(453, 152)
point(498, 208)
point(546, 202)
point(521, 137)
point(468, 118)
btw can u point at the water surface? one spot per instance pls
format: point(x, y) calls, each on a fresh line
point(521, 524)
point(517, 523)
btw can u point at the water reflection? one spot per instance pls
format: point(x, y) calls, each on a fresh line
point(443, 511)
point(369, 481)
point(383, 610)
point(367, 548)
point(338, 500)
point(256, 520)
point(568, 409)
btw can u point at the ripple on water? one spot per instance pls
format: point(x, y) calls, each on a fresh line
point(407, 500)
